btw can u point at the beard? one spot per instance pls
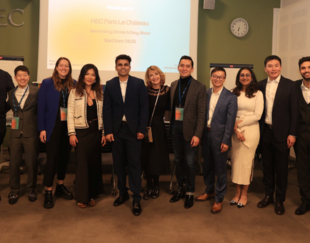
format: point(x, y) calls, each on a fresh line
point(304, 77)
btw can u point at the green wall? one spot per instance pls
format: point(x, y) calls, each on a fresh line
point(216, 44)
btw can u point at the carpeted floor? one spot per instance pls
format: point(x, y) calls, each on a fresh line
point(160, 221)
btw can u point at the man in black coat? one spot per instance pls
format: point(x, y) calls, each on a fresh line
point(303, 137)
point(6, 84)
point(125, 115)
point(278, 131)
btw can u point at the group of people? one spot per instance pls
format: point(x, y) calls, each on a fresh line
point(66, 113)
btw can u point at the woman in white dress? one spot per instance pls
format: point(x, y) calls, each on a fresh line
point(246, 136)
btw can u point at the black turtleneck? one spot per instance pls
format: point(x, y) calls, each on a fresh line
point(183, 82)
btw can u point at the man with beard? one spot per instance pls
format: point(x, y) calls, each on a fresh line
point(303, 137)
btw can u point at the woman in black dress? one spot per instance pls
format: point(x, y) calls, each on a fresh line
point(85, 128)
point(154, 156)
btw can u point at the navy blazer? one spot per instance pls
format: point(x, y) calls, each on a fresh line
point(135, 107)
point(285, 109)
point(224, 117)
point(48, 102)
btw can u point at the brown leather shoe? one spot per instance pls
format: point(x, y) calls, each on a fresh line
point(204, 197)
point(217, 207)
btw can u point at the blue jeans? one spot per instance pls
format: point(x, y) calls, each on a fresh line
point(184, 158)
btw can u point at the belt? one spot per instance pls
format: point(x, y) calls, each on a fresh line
point(269, 126)
point(92, 120)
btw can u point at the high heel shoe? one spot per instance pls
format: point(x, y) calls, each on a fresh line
point(240, 205)
point(233, 202)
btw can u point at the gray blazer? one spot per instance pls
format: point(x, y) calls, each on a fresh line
point(28, 115)
point(194, 109)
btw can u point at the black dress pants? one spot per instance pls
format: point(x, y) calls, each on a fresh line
point(127, 148)
point(302, 150)
point(275, 165)
point(57, 153)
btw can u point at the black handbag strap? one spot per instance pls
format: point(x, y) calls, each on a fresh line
point(154, 108)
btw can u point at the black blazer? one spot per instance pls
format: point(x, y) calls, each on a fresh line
point(285, 109)
point(135, 107)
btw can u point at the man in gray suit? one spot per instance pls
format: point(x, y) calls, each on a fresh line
point(188, 107)
point(24, 134)
point(220, 121)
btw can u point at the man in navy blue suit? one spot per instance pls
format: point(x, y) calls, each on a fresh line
point(220, 121)
point(125, 115)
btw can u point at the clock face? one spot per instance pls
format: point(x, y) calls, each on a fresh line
point(239, 27)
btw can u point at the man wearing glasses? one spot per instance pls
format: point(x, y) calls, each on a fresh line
point(220, 120)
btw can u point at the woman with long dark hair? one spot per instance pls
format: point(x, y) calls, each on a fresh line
point(85, 128)
point(246, 137)
point(52, 125)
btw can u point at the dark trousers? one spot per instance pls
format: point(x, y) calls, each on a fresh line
point(2, 131)
point(302, 149)
point(57, 153)
point(17, 147)
point(126, 150)
point(214, 163)
point(184, 158)
point(275, 164)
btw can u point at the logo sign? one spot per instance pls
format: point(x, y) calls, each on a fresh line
point(10, 19)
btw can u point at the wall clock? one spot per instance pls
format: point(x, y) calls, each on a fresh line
point(239, 27)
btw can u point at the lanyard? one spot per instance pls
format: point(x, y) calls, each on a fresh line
point(64, 95)
point(181, 97)
point(16, 108)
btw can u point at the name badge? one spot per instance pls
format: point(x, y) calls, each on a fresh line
point(179, 114)
point(63, 114)
point(15, 123)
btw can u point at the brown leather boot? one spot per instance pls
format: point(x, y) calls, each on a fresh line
point(204, 197)
point(217, 207)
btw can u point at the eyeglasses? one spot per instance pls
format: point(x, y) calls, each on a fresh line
point(245, 75)
point(218, 77)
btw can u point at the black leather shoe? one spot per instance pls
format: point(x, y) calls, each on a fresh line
point(180, 193)
point(155, 192)
point(279, 208)
point(148, 193)
point(32, 196)
point(136, 208)
point(13, 197)
point(121, 199)
point(48, 199)
point(189, 201)
point(62, 191)
point(265, 202)
point(303, 208)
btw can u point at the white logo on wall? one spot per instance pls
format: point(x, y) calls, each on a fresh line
point(10, 19)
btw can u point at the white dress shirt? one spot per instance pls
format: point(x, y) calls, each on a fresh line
point(19, 94)
point(305, 92)
point(271, 90)
point(123, 85)
point(213, 101)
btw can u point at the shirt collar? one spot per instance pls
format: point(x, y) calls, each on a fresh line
point(303, 87)
point(123, 82)
point(218, 93)
point(20, 89)
point(277, 80)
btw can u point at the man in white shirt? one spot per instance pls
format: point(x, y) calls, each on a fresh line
point(220, 121)
point(278, 127)
point(125, 115)
point(303, 137)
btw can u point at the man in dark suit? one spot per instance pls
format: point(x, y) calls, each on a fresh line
point(278, 127)
point(125, 114)
point(220, 121)
point(6, 84)
point(302, 144)
point(188, 107)
point(23, 101)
